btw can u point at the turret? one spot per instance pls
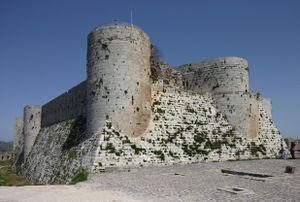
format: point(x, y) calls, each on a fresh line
point(32, 126)
point(221, 75)
point(118, 79)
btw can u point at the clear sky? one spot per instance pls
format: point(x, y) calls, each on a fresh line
point(43, 45)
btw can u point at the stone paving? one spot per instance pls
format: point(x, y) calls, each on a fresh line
point(195, 182)
point(205, 182)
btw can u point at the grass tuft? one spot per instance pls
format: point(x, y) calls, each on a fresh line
point(80, 176)
point(8, 177)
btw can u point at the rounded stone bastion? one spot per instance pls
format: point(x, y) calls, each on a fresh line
point(118, 79)
point(32, 126)
point(221, 75)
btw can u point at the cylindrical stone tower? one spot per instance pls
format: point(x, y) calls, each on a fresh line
point(18, 134)
point(32, 126)
point(221, 75)
point(118, 83)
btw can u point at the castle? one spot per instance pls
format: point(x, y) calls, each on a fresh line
point(135, 110)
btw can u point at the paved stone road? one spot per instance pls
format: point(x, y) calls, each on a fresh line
point(200, 182)
point(196, 182)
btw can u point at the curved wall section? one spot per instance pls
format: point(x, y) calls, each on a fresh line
point(32, 126)
point(118, 84)
point(241, 110)
point(229, 74)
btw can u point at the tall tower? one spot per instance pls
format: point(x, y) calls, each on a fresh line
point(118, 79)
point(32, 126)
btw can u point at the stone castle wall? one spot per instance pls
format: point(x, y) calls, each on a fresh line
point(32, 126)
point(267, 105)
point(18, 133)
point(136, 110)
point(69, 105)
point(241, 110)
point(118, 70)
point(219, 75)
point(18, 142)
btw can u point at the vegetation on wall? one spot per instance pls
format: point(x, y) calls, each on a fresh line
point(80, 176)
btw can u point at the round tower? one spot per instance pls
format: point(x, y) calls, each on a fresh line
point(32, 126)
point(118, 79)
point(221, 75)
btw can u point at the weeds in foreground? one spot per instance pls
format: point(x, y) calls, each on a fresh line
point(80, 176)
point(8, 177)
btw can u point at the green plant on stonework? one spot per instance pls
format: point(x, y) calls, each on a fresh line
point(160, 154)
point(200, 136)
point(229, 133)
point(190, 127)
point(218, 114)
point(193, 149)
point(190, 110)
point(80, 176)
point(126, 141)
point(173, 154)
point(254, 149)
point(137, 150)
point(213, 145)
point(8, 177)
point(160, 111)
point(110, 148)
point(156, 102)
point(108, 125)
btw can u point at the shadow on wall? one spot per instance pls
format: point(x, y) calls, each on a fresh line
point(77, 133)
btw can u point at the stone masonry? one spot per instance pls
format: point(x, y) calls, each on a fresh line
point(135, 110)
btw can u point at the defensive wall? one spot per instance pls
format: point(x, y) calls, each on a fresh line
point(120, 96)
point(69, 105)
point(228, 74)
point(228, 80)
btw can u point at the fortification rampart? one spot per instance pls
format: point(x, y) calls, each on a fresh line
point(118, 70)
point(241, 110)
point(164, 77)
point(69, 105)
point(267, 105)
point(32, 126)
point(217, 75)
point(18, 133)
point(130, 93)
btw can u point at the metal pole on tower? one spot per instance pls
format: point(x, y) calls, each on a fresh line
point(131, 14)
point(131, 17)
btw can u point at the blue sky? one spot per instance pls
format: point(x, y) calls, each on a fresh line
point(43, 45)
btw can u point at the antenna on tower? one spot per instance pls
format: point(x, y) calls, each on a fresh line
point(131, 13)
point(131, 20)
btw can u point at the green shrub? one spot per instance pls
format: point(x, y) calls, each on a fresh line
point(137, 150)
point(254, 149)
point(110, 148)
point(160, 154)
point(80, 176)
